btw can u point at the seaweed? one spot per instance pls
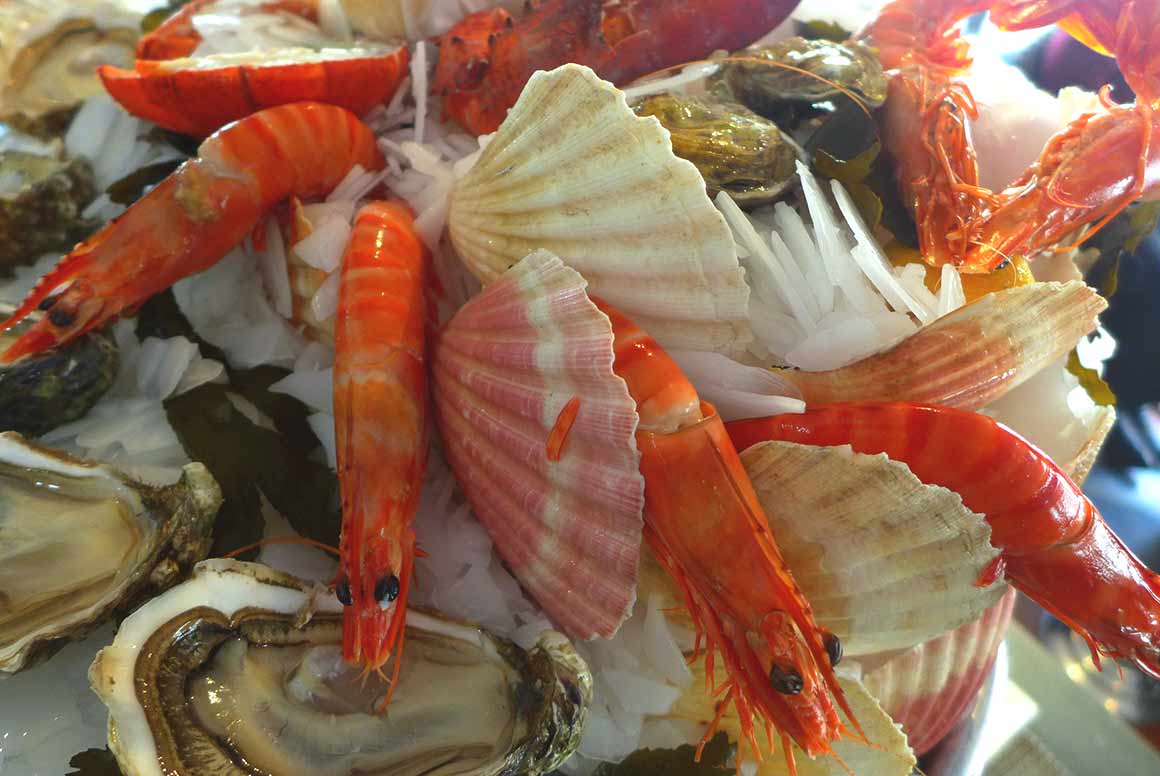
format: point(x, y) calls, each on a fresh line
point(1099, 391)
point(129, 189)
point(675, 762)
point(1122, 235)
point(94, 762)
point(822, 30)
point(154, 18)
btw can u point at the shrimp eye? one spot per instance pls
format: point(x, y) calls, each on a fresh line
point(342, 591)
point(786, 681)
point(61, 318)
point(387, 589)
point(834, 648)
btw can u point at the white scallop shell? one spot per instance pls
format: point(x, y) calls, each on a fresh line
point(886, 561)
point(929, 688)
point(574, 171)
point(504, 368)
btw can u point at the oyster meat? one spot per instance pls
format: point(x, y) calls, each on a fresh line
point(50, 52)
point(79, 540)
point(239, 670)
point(55, 387)
point(42, 194)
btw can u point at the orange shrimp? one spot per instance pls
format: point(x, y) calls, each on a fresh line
point(1055, 545)
point(381, 429)
point(705, 525)
point(194, 217)
point(485, 60)
point(1088, 172)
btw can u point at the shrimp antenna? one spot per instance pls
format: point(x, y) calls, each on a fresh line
point(283, 540)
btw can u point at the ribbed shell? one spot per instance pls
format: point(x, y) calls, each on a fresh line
point(574, 171)
point(504, 368)
point(929, 688)
point(970, 357)
point(886, 561)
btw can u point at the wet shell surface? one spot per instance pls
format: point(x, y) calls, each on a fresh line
point(574, 171)
point(929, 688)
point(970, 357)
point(505, 368)
point(886, 561)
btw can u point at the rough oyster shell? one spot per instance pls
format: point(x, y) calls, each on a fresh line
point(41, 392)
point(969, 357)
point(79, 540)
point(886, 561)
point(242, 647)
point(505, 367)
point(51, 50)
point(929, 688)
point(572, 170)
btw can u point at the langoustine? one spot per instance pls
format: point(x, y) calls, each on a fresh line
point(1055, 545)
point(1087, 173)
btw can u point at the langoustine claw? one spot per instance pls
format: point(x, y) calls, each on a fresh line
point(1056, 547)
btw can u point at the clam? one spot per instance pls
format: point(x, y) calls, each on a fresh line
point(79, 540)
point(41, 392)
point(49, 52)
point(42, 194)
point(574, 171)
point(239, 670)
point(734, 149)
point(827, 65)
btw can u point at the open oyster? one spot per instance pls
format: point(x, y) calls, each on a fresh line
point(44, 391)
point(42, 195)
point(79, 540)
point(239, 670)
point(49, 52)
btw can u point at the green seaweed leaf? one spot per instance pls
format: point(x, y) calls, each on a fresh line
point(129, 189)
point(1122, 235)
point(1091, 381)
point(94, 762)
point(154, 18)
point(823, 30)
point(675, 762)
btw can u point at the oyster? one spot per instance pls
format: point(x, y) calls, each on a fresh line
point(239, 670)
point(49, 52)
point(767, 88)
point(733, 148)
point(79, 540)
point(42, 195)
point(41, 392)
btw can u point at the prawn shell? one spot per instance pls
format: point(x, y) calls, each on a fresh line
point(970, 357)
point(574, 171)
point(886, 561)
point(929, 688)
point(504, 369)
point(198, 96)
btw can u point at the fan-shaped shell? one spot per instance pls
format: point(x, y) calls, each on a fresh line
point(929, 688)
point(505, 368)
point(574, 171)
point(886, 561)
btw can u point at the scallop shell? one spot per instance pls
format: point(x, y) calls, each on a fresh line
point(970, 357)
point(929, 688)
point(886, 561)
point(886, 755)
point(574, 171)
point(505, 367)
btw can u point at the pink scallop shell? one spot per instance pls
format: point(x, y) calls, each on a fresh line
point(504, 368)
point(929, 688)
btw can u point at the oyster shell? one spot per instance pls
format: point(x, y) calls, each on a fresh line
point(50, 51)
point(734, 149)
point(41, 392)
point(574, 171)
point(241, 666)
point(42, 195)
point(79, 540)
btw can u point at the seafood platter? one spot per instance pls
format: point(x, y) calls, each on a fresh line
point(578, 386)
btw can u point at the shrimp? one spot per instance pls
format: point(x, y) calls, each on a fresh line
point(1055, 545)
point(706, 527)
point(485, 60)
point(381, 429)
point(1088, 172)
point(194, 217)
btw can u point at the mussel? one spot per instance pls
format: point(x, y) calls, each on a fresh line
point(239, 670)
point(80, 540)
point(734, 149)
